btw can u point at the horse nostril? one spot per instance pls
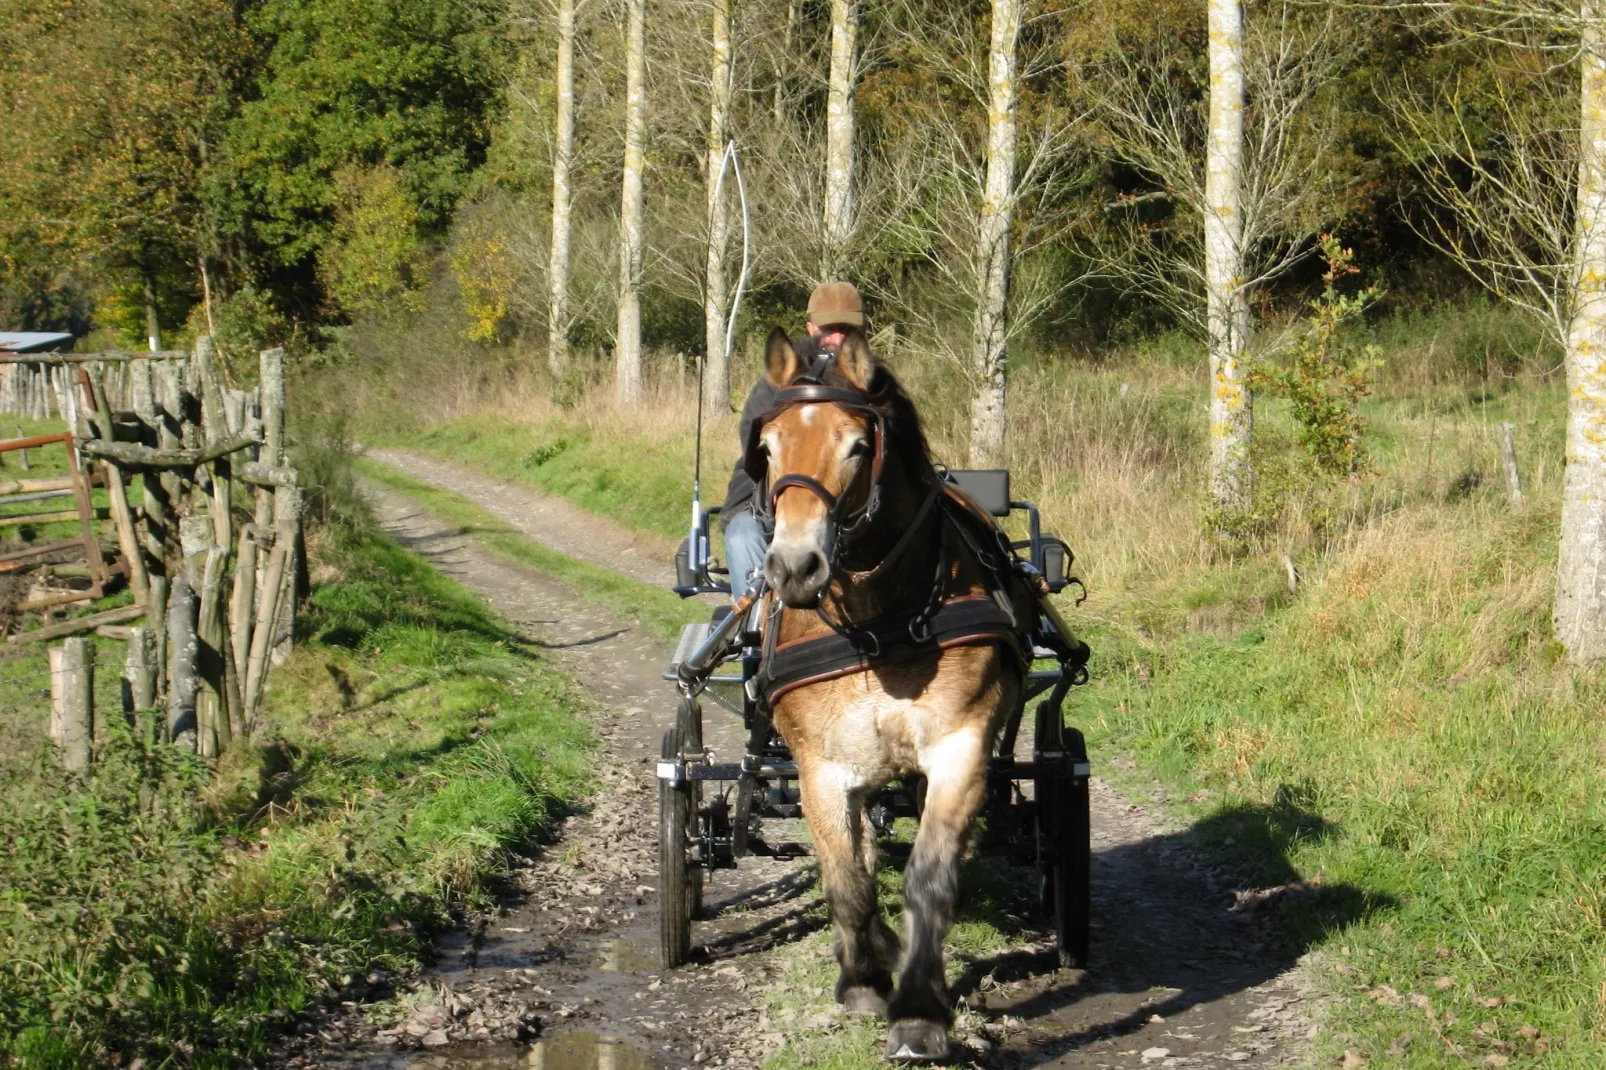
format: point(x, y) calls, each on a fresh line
point(796, 572)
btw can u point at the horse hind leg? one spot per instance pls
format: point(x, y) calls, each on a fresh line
point(920, 1010)
point(866, 948)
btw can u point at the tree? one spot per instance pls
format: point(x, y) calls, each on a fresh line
point(408, 84)
point(1227, 303)
point(627, 338)
point(989, 349)
point(562, 193)
point(106, 124)
point(716, 295)
point(1527, 219)
point(1202, 240)
point(1580, 613)
point(839, 208)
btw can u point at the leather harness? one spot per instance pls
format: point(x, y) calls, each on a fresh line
point(943, 622)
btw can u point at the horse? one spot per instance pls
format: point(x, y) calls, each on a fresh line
point(867, 546)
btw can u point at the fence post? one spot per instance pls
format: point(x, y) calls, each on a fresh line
point(1508, 461)
point(74, 682)
point(181, 644)
point(139, 671)
point(287, 527)
point(156, 618)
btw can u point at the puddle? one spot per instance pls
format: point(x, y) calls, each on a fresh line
point(625, 955)
point(559, 1051)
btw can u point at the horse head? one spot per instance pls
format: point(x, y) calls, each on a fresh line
point(822, 447)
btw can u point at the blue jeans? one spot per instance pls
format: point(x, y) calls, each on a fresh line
point(746, 543)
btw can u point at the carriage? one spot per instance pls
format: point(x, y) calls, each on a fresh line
point(712, 813)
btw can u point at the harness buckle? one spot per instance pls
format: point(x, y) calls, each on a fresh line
point(920, 629)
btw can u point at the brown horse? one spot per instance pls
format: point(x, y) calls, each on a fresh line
point(864, 533)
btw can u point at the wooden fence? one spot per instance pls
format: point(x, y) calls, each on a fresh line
point(212, 549)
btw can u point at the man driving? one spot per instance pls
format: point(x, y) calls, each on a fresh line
point(833, 308)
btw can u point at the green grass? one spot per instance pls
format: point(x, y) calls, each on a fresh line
point(647, 487)
point(174, 911)
point(660, 611)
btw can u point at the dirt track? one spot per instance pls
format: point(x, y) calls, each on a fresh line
point(1179, 978)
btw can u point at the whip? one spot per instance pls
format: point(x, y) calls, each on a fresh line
point(698, 541)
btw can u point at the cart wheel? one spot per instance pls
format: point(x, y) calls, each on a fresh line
point(675, 813)
point(689, 719)
point(1064, 828)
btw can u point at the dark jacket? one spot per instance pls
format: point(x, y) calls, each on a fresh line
point(739, 493)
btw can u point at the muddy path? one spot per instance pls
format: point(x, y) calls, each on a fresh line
point(1183, 973)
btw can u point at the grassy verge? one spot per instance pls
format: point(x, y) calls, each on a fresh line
point(182, 913)
point(660, 611)
point(645, 485)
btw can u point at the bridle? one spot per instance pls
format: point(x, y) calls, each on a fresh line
point(808, 388)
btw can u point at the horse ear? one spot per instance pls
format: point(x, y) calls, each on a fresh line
point(781, 363)
point(855, 361)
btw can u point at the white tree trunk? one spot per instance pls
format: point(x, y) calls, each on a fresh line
point(1227, 302)
point(990, 345)
point(716, 294)
point(153, 329)
point(1580, 614)
point(839, 206)
point(562, 195)
point(627, 340)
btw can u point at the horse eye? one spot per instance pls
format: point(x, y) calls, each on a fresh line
point(859, 448)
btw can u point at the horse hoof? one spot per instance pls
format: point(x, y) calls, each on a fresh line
point(862, 999)
point(917, 1042)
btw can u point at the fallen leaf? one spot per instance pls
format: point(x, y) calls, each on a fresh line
point(1152, 1054)
point(1444, 984)
point(1352, 1059)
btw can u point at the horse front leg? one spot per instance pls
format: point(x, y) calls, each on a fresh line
point(866, 948)
point(955, 789)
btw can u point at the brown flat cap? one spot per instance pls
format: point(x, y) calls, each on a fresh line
point(836, 304)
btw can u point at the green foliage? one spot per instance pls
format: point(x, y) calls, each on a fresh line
point(375, 260)
point(404, 84)
point(1325, 379)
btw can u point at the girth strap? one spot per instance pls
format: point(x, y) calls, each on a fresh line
point(964, 621)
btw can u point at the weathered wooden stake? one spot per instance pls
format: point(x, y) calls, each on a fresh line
point(242, 605)
point(287, 529)
point(77, 688)
point(139, 670)
point(181, 656)
point(156, 620)
point(262, 633)
point(1508, 461)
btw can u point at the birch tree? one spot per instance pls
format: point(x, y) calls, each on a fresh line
point(990, 345)
point(839, 209)
point(716, 295)
point(1201, 240)
point(1580, 611)
point(1528, 221)
point(1227, 304)
point(627, 338)
point(558, 318)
